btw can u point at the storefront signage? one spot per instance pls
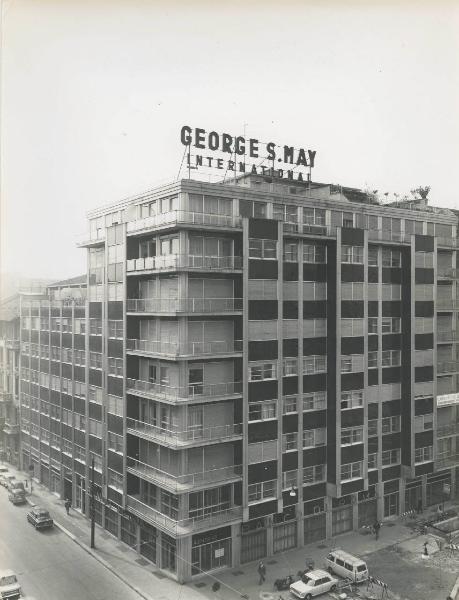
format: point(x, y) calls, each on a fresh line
point(237, 155)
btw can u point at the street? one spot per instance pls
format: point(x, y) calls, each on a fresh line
point(49, 565)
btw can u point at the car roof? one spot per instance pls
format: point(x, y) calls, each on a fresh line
point(7, 573)
point(39, 509)
point(347, 557)
point(317, 574)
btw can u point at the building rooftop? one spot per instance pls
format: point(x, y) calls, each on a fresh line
point(78, 281)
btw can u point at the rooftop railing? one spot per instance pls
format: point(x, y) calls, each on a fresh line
point(191, 435)
point(185, 349)
point(178, 305)
point(183, 393)
point(184, 482)
point(177, 217)
point(171, 262)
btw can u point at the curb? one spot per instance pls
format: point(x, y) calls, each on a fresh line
point(99, 559)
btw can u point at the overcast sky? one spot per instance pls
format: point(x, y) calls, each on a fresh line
point(95, 93)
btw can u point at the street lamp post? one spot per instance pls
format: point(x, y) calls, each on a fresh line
point(92, 508)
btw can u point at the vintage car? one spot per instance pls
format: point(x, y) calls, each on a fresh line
point(14, 484)
point(313, 583)
point(6, 478)
point(40, 518)
point(17, 496)
point(9, 585)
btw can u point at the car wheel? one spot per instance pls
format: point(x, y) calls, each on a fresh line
point(308, 597)
point(330, 570)
point(333, 588)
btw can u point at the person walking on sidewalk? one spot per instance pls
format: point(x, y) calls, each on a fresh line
point(419, 511)
point(261, 572)
point(376, 528)
point(67, 505)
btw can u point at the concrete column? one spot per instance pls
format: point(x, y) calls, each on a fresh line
point(355, 512)
point(379, 487)
point(138, 542)
point(328, 519)
point(235, 545)
point(424, 491)
point(183, 559)
point(118, 518)
point(401, 502)
point(300, 525)
point(454, 489)
point(269, 538)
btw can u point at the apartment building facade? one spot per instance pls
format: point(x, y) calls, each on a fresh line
point(253, 367)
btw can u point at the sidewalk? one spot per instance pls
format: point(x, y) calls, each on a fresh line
point(152, 584)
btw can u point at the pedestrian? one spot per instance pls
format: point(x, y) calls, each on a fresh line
point(261, 572)
point(67, 505)
point(426, 552)
point(376, 528)
point(419, 511)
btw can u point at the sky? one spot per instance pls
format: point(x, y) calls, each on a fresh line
point(95, 92)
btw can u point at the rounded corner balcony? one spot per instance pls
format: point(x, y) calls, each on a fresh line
point(183, 262)
point(182, 394)
point(173, 306)
point(86, 240)
point(183, 218)
point(183, 351)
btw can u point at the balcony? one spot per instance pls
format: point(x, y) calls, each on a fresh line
point(449, 242)
point(309, 230)
point(183, 483)
point(177, 395)
point(447, 430)
point(184, 526)
point(6, 397)
point(11, 428)
point(446, 460)
point(446, 336)
point(88, 240)
point(186, 262)
point(389, 236)
point(188, 350)
point(446, 304)
point(447, 400)
point(12, 344)
point(447, 367)
point(183, 217)
point(196, 436)
point(184, 305)
point(447, 274)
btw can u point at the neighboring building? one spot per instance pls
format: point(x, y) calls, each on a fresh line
point(258, 365)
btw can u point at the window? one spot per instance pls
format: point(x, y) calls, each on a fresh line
point(80, 422)
point(95, 428)
point(391, 325)
point(290, 366)
point(351, 435)
point(351, 471)
point(290, 479)
point(372, 461)
point(79, 357)
point(373, 359)
point(95, 360)
point(352, 254)
point(372, 427)
point(391, 258)
point(314, 437)
point(352, 363)
point(391, 424)
point(67, 355)
point(290, 251)
point(115, 367)
point(314, 253)
point(115, 329)
point(261, 411)
point(263, 370)
point(80, 453)
point(314, 364)
point(95, 327)
point(260, 491)
point(314, 474)
point(289, 441)
point(423, 454)
point(262, 451)
point(352, 291)
point(285, 212)
point(265, 249)
point(391, 457)
point(372, 256)
point(290, 405)
point(314, 401)
point(391, 358)
point(67, 386)
point(351, 399)
point(423, 423)
point(66, 325)
point(352, 327)
point(79, 389)
point(372, 325)
point(115, 405)
point(313, 216)
point(95, 394)
point(423, 325)
point(80, 326)
point(67, 418)
point(424, 260)
point(67, 447)
point(115, 480)
point(115, 442)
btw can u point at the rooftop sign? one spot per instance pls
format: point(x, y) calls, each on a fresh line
point(237, 155)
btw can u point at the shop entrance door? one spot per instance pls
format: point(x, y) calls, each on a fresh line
point(80, 493)
point(391, 505)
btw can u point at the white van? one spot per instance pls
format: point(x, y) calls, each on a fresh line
point(346, 565)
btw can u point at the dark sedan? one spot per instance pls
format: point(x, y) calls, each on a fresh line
point(40, 518)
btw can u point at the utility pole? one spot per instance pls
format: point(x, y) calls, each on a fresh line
point(92, 508)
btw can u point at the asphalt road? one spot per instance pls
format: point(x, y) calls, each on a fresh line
point(49, 565)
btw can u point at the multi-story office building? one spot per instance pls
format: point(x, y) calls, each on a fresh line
point(258, 365)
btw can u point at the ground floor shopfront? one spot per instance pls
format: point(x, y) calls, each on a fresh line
point(189, 556)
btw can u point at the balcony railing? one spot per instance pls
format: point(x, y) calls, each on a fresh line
point(448, 429)
point(184, 393)
point(315, 230)
point(189, 436)
point(446, 303)
point(209, 348)
point(183, 526)
point(389, 236)
point(11, 428)
point(87, 239)
point(447, 274)
point(446, 460)
point(177, 217)
point(446, 336)
point(447, 367)
point(172, 262)
point(179, 305)
point(12, 344)
point(446, 241)
point(177, 483)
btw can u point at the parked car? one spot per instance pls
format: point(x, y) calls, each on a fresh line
point(17, 496)
point(346, 565)
point(6, 479)
point(3, 469)
point(9, 585)
point(40, 518)
point(14, 484)
point(313, 583)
